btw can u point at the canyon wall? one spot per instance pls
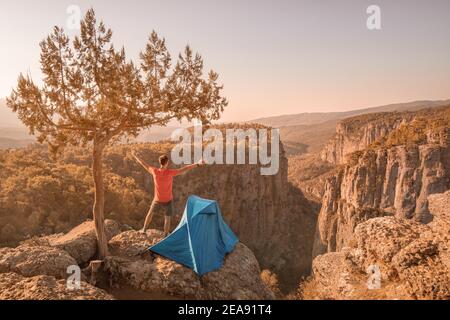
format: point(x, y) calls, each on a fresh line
point(390, 258)
point(387, 177)
point(42, 195)
point(357, 133)
point(268, 213)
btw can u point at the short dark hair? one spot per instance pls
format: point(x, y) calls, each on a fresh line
point(163, 160)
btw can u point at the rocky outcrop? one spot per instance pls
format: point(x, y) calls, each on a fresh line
point(239, 278)
point(391, 258)
point(392, 177)
point(16, 287)
point(426, 126)
point(396, 181)
point(130, 265)
point(439, 205)
point(81, 242)
point(31, 260)
point(42, 196)
point(267, 213)
point(357, 133)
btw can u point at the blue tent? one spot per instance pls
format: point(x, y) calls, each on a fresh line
point(202, 238)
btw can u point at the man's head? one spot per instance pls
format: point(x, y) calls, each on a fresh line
point(164, 161)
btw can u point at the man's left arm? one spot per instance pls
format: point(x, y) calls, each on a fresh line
point(189, 168)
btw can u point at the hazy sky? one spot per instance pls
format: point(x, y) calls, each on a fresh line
point(274, 57)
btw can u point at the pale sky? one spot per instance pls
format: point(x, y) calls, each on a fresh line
point(274, 57)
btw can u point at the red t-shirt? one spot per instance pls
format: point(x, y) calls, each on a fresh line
point(163, 179)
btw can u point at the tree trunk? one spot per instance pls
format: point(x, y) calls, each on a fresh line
point(99, 203)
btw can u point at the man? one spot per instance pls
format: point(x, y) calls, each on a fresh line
point(163, 181)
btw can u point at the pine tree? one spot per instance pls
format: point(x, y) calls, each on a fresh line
point(92, 96)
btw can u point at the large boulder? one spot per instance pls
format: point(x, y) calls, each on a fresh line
point(439, 205)
point(31, 261)
point(129, 266)
point(412, 260)
point(80, 242)
point(239, 278)
point(339, 276)
point(16, 287)
point(379, 240)
point(131, 243)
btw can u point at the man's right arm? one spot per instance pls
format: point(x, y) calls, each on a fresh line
point(141, 162)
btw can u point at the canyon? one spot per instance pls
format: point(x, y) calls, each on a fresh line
point(268, 213)
point(411, 260)
point(385, 206)
point(373, 198)
point(381, 175)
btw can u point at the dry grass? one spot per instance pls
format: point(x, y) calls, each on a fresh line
point(271, 280)
point(311, 290)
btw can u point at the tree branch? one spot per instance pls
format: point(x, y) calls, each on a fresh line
point(63, 83)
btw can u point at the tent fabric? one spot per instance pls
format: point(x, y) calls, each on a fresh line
point(202, 238)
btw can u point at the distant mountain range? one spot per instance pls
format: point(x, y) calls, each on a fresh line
point(300, 133)
point(308, 132)
point(308, 118)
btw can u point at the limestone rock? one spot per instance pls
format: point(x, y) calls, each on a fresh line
point(16, 287)
point(357, 133)
point(31, 261)
point(259, 209)
point(384, 177)
point(380, 239)
point(131, 243)
point(439, 205)
point(413, 260)
point(239, 278)
point(80, 242)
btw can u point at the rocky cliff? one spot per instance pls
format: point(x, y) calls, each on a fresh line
point(357, 133)
point(390, 258)
point(267, 213)
point(37, 269)
point(16, 287)
point(394, 175)
point(41, 195)
point(239, 278)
